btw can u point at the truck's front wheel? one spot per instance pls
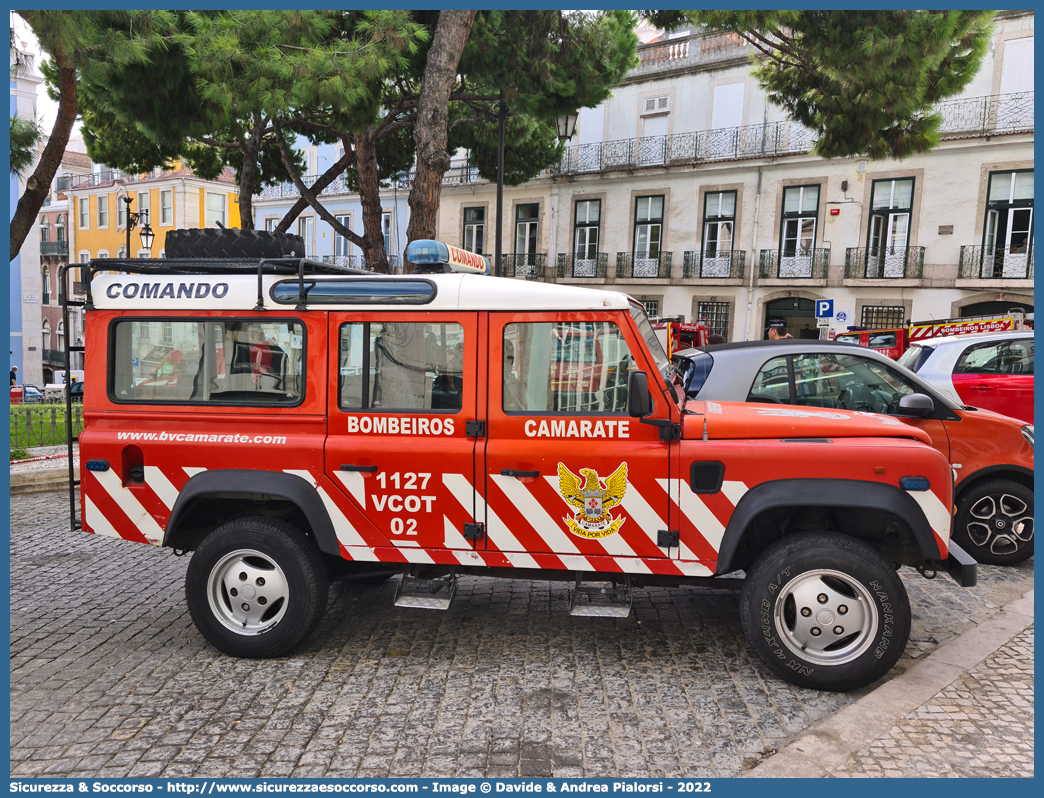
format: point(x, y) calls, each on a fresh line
point(256, 588)
point(825, 611)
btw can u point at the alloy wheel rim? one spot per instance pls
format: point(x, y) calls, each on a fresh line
point(1000, 524)
point(248, 592)
point(826, 617)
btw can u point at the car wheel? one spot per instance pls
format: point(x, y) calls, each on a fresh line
point(256, 587)
point(994, 522)
point(825, 611)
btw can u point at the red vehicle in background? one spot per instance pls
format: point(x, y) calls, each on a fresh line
point(894, 342)
point(678, 335)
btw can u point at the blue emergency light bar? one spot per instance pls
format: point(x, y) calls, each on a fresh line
point(427, 251)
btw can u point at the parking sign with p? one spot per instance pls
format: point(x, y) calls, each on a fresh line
point(824, 308)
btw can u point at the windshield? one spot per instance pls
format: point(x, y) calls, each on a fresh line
point(694, 367)
point(651, 341)
point(849, 338)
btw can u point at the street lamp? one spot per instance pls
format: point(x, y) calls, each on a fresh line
point(132, 220)
point(565, 125)
point(146, 233)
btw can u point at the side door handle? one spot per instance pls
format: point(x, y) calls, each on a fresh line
point(369, 468)
point(982, 386)
point(510, 472)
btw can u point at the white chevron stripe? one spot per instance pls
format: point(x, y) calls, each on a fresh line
point(643, 514)
point(706, 522)
point(305, 474)
point(693, 569)
point(614, 545)
point(416, 556)
point(497, 530)
point(362, 553)
point(137, 514)
point(538, 518)
point(935, 511)
point(733, 491)
point(406, 544)
point(193, 471)
point(98, 523)
point(575, 563)
point(355, 484)
point(453, 539)
point(161, 486)
point(468, 557)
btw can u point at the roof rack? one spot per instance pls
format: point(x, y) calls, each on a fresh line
point(263, 266)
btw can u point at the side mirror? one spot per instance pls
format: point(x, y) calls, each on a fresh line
point(639, 402)
point(917, 405)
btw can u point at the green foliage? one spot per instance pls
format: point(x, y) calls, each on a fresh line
point(865, 81)
point(26, 135)
point(19, 454)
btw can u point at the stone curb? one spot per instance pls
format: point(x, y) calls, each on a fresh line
point(828, 744)
point(41, 481)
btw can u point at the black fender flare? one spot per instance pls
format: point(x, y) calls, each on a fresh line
point(245, 483)
point(824, 493)
point(990, 471)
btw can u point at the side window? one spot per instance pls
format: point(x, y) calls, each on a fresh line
point(772, 384)
point(401, 366)
point(566, 367)
point(847, 382)
point(226, 361)
point(997, 357)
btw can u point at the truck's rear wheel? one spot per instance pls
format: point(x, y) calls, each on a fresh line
point(825, 611)
point(256, 588)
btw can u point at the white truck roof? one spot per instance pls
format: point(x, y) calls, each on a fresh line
point(212, 291)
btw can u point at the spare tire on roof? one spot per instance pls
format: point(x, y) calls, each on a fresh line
point(233, 243)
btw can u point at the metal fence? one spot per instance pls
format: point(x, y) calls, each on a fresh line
point(524, 265)
point(42, 425)
point(979, 263)
point(723, 265)
point(865, 263)
point(813, 264)
point(634, 264)
point(572, 266)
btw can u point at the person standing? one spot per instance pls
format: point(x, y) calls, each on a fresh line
point(777, 329)
point(14, 375)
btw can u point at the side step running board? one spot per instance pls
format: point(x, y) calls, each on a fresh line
point(425, 594)
point(601, 599)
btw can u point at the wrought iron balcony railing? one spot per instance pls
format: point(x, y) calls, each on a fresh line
point(724, 264)
point(810, 264)
point(979, 263)
point(571, 265)
point(995, 114)
point(634, 264)
point(881, 263)
point(524, 265)
point(60, 247)
point(54, 357)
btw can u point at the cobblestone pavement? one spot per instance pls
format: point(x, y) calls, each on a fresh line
point(110, 678)
point(981, 725)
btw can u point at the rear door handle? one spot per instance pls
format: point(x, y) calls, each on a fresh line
point(981, 387)
point(510, 472)
point(358, 468)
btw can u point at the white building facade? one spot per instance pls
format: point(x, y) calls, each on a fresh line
point(688, 190)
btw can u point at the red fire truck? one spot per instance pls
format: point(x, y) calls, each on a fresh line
point(894, 342)
point(675, 335)
point(415, 422)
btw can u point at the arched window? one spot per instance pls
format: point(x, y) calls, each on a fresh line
point(45, 229)
point(46, 334)
point(59, 227)
point(61, 336)
point(45, 282)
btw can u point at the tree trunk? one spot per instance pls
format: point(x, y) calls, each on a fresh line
point(430, 133)
point(309, 194)
point(38, 186)
point(370, 198)
point(327, 178)
point(248, 174)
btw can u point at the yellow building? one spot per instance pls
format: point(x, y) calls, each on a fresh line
point(175, 199)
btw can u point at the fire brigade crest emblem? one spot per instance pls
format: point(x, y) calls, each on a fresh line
point(593, 501)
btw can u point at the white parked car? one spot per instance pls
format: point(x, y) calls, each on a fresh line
point(993, 371)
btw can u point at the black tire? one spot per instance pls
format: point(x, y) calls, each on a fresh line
point(841, 581)
point(994, 522)
point(273, 562)
point(213, 242)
